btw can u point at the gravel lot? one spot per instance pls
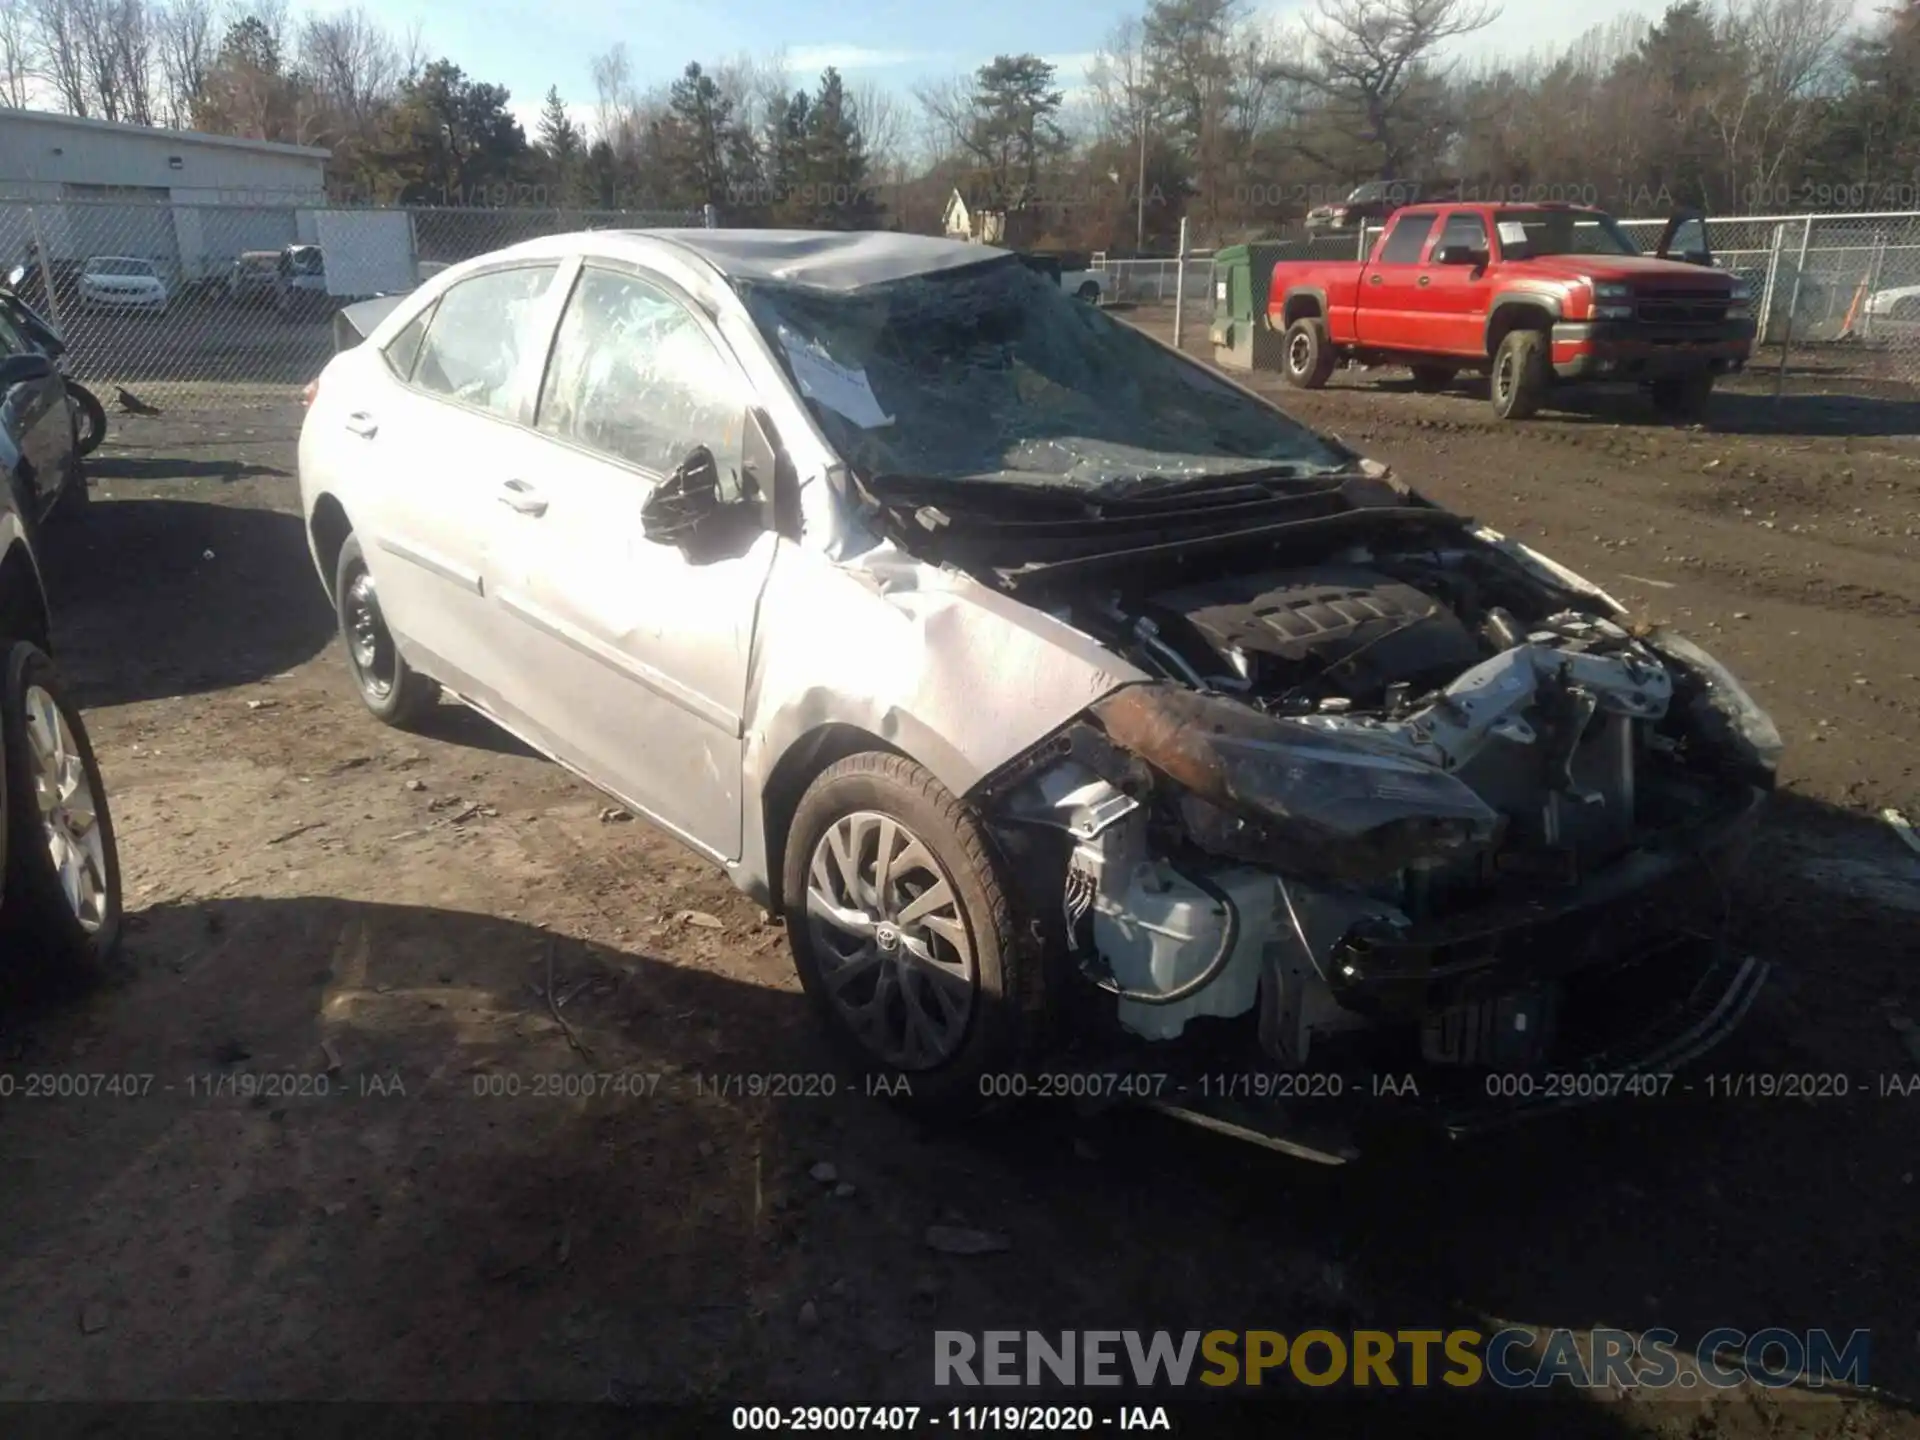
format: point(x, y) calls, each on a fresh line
point(431, 922)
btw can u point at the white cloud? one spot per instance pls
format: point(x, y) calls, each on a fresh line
point(812, 59)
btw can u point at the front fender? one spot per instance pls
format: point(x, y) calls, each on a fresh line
point(929, 661)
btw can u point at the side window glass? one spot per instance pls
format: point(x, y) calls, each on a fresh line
point(1465, 230)
point(634, 377)
point(404, 348)
point(480, 330)
point(1407, 239)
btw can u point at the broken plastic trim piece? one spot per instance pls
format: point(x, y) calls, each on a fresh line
point(1747, 727)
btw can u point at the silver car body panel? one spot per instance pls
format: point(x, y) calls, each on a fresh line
point(834, 629)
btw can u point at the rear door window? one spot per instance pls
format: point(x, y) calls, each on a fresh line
point(480, 332)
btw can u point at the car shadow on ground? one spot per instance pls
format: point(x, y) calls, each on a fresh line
point(484, 1232)
point(127, 467)
point(1733, 412)
point(155, 598)
point(450, 1194)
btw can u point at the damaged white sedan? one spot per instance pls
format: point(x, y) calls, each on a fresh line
point(1066, 699)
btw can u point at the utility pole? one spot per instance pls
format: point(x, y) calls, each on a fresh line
point(1140, 198)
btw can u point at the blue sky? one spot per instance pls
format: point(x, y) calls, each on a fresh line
point(527, 45)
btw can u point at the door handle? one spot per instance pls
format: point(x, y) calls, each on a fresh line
point(521, 498)
point(1374, 279)
point(1426, 280)
point(362, 424)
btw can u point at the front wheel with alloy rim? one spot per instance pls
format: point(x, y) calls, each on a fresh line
point(904, 935)
point(1309, 354)
point(393, 690)
point(1522, 373)
point(60, 911)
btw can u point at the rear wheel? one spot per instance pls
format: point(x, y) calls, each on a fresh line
point(61, 908)
point(1684, 398)
point(1430, 379)
point(1309, 355)
point(905, 936)
point(393, 690)
point(1521, 375)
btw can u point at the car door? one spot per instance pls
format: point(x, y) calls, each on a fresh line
point(37, 420)
point(1454, 298)
point(1389, 316)
point(453, 390)
point(632, 657)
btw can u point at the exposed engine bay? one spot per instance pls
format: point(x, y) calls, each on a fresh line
point(1389, 786)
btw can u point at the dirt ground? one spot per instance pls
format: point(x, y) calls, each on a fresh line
point(424, 926)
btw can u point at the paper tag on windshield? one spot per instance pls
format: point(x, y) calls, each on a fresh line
point(843, 390)
point(1512, 232)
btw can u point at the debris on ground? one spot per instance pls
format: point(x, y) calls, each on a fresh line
point(824, 1172)
point(615, 815)
point(700, 918)
point(956, 1240)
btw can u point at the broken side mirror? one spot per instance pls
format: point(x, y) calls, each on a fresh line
point(681, 504)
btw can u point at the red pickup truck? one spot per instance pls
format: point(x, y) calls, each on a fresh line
point(1534, 294)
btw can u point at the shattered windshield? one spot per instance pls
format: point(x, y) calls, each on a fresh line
point(992, 374)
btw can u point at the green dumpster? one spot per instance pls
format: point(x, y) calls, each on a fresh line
point(1242, 276)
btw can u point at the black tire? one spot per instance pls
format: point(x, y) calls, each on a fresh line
point(1007, 1009)
point(396, 693)
point(1089, 291)
point(1431, 379)
point(51, 945)
point(90, 418)
point(1309, 357)
point(1683, 398)
point(1522, 375)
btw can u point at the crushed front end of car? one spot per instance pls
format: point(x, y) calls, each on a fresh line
point(1429, 811)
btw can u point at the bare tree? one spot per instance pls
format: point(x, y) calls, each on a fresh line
point(1786, 51)
point(18, 53)
point(352, 64)
point(1368, 58)
point(882, 125)
point(184, 43)
point(57, 27)
point(615, 101)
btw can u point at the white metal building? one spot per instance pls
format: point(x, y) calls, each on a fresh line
point(186, 201)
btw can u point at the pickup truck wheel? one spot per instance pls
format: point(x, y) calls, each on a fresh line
point(1310, 357)
point(1431, 379)
point(1521, 375)
point(1089, 291)
point(1683, 397)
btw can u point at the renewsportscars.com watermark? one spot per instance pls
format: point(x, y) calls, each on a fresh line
point(1514, 1358)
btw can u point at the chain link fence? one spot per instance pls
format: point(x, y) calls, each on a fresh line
point(185, 304)
point(1157, 281)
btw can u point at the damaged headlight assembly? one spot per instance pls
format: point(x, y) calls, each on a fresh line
point(1271, 790)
